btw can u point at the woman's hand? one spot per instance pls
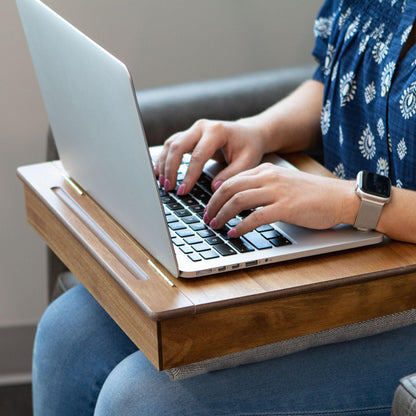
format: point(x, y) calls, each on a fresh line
point(284, 195)
point(239, 143)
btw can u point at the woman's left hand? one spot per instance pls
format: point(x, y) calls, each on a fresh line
point(283, 195)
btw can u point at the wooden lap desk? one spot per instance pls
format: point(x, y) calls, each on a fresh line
point(178, 321)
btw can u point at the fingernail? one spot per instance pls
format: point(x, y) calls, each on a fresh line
point(232, 233)
point(161, 180)
point(217, 185)
point(206, 219)
point(213, 223)
point(166, 185)
point(181, 190)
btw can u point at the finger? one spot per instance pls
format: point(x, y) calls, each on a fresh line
point(264, 215)
point(176, 147)
point(204, 150)
point(238, 183)
point(161, 159)
point(241, 201)
point(237, 166)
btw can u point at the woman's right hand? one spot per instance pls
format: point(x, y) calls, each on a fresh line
point(239, 143)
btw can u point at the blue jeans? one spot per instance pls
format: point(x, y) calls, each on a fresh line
point(84, 364)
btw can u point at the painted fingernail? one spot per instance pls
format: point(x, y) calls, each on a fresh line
point(181, 190)
point(213, 223)
point(167, 185)
point(161, 180)
point(217, 184)
point(206, 219)
point(232, 233)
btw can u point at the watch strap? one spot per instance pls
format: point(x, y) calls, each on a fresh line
point(368, 215)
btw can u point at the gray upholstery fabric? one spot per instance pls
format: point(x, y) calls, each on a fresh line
point(404, 402)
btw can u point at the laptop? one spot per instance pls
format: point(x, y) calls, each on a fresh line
point(95, 118)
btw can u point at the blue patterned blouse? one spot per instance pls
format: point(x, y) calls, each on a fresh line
point(368, 118)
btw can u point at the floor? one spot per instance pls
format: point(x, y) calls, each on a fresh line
point(16, 400)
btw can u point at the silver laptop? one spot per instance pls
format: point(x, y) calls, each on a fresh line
point(95, 118)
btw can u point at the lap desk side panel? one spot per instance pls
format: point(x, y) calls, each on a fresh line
point(179, 321)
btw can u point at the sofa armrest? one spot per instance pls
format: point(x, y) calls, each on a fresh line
point(404, 402)
point(167, 110)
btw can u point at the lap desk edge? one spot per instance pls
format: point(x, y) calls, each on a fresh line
point(176, 322)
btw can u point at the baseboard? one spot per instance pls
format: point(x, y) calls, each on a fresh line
point(16, 345)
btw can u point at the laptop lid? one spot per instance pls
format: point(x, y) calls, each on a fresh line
point(92, 109)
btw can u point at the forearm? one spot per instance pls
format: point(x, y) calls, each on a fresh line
point(292, 124)
point(397, 220)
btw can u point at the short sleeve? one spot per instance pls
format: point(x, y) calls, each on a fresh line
point(323, 28)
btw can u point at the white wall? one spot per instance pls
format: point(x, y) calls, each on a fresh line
point(163, 42)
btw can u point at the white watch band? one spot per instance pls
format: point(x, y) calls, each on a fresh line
point(368, 215)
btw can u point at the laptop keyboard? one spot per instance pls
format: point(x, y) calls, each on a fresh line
point(184, 215)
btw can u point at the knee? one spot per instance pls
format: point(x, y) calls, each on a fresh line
point(135, 387)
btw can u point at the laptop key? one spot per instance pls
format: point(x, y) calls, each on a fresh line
point(211, 254)
point(241, 245)
point(171, 218)
point(233, 222)
point(224, 249)
point(200, 194)
point(201, 247)
point(177, 241)
point(185, 233)
point(223, 232)
point(205, 181)
point(281, 241)
point(174, 206)
point(190, 219)
point(271, 234)
point(175, 226)
point(186, 249)
point(193, 240)
point(195, 257)
point(182, 213)
point(167, 199)
point(263, 228)
point(198, 226)
point(187, 200)
point(257, 240)
point(197, 208)
point(205, 233)
point(245, 213)
point(214, 240)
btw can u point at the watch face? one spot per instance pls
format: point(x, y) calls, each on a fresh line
point(375, 184)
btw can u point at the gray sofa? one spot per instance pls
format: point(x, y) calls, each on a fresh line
point(170, 109)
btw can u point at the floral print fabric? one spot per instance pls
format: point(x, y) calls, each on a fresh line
point(368, 118)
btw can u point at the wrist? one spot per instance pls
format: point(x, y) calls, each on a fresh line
point(350, 203)
point(260, 132)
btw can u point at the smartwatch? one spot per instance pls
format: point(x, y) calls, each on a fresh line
point(374, 192)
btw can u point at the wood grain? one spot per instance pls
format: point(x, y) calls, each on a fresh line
point(206, 335)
